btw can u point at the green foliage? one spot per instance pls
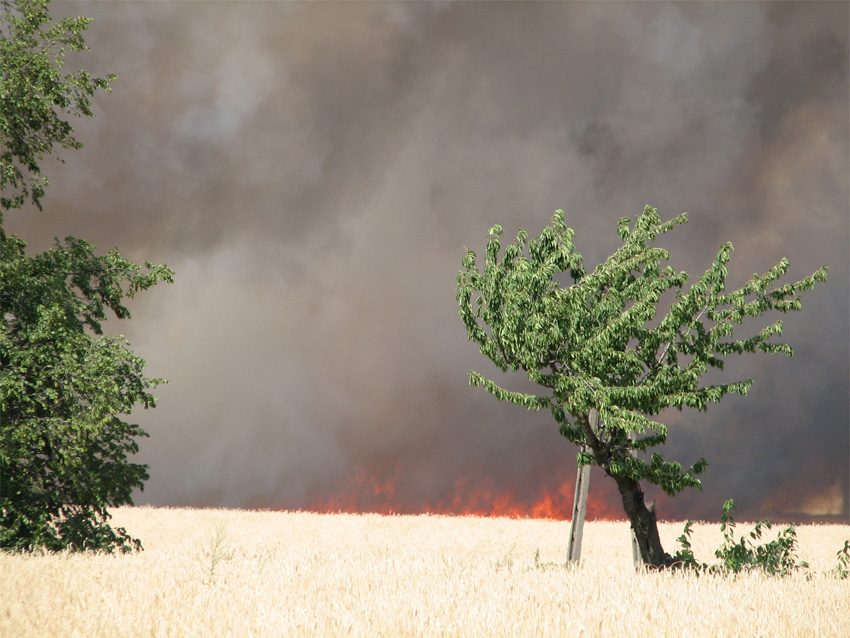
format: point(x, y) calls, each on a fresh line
point(777, 557)
point(217, 552)
point(63, 447)
point(842, 567)
point(685, 556)
point(596, 340)
point(551, 564)
point(64, 386)
point(507, 561)
point(36, 97)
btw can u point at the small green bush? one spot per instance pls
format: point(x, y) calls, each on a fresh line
point(777, 557)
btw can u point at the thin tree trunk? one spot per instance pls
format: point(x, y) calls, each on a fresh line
point(579, 512)
point(637, 559)
point(580, 501)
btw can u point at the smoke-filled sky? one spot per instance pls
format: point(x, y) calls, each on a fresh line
point(313, 172)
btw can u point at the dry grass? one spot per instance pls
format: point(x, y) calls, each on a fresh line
point(237, 573)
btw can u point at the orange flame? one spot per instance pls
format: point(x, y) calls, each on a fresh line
point(376, 491)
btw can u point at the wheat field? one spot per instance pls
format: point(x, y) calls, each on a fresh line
point(248, 573)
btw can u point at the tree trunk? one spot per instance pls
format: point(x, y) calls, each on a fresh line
point(579, 512)
point(644, 526)
point(580, 501)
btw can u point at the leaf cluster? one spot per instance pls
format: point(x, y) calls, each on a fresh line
point(777, 557)
point(64, 387)
point(36, 96)
point(596, 340)
point(842, 566)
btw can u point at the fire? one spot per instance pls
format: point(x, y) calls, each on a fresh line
point(377, 490)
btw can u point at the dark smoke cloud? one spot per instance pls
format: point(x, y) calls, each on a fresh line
point(313, 171)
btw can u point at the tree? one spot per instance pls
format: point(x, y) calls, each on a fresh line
point(595, 344)
point(35, 96)
point(64, 385)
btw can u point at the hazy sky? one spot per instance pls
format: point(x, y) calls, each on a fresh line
point(313, 172)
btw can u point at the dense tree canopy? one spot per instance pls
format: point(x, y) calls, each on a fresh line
point(64, 384)
point(63, 447)
point(594, 341)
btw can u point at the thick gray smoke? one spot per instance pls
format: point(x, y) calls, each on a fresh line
point(313, 172)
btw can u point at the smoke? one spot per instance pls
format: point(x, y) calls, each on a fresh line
point(313, 172)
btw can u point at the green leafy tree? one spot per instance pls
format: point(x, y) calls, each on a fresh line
point(36, 98)
point(594, 341)
point(64, 385)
